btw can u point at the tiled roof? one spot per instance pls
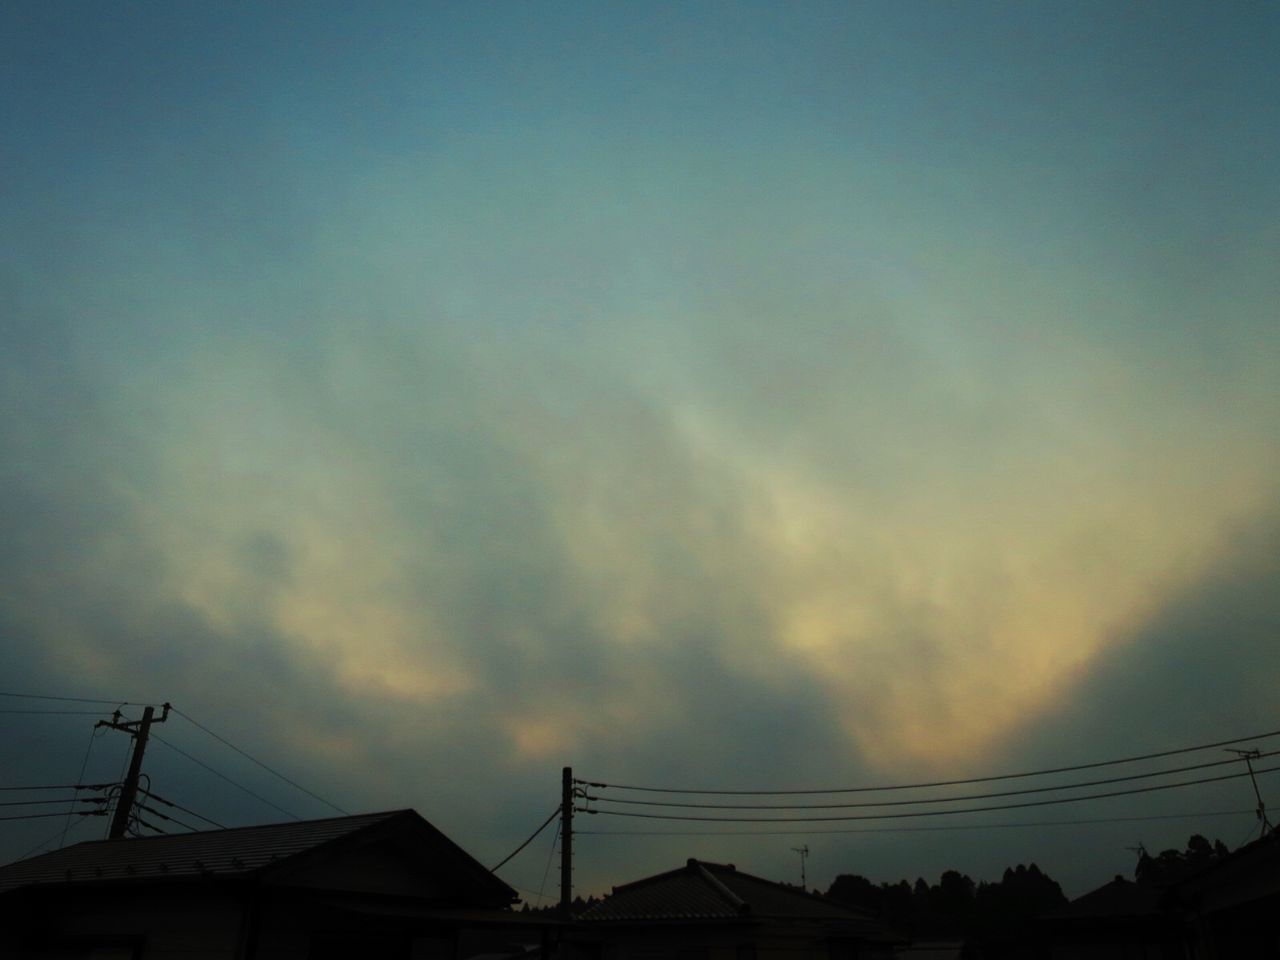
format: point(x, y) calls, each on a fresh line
point(680, 894)
point(228, 853)
point(712, 891)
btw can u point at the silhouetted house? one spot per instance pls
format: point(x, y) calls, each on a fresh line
point(709, 911)
point(1231, 908)
point(381, 885)
point(1121, 920)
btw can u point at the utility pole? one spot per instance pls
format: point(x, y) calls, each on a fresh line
point(566, 840)
point(139, 730)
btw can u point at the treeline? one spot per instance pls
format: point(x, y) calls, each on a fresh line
point(955, 906)
point(1005, 911)
point(578, 906)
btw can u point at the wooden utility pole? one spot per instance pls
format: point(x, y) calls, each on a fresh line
point(566, 840)
point(139, 730)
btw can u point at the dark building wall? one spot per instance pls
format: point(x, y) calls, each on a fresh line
point(156, 925)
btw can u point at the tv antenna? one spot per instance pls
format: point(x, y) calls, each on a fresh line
point(1248, 756)
point(804, 852)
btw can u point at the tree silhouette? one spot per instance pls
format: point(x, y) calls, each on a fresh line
point(1171, 865)
point(998, 914)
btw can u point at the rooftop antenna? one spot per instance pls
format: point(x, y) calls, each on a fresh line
point(804, 852)
point(1248, 756)
point(1141, 851)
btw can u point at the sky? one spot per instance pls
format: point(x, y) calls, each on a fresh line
point(426, 397)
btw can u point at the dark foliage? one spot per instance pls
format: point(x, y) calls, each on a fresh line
point(996, 918)
point(1170, 866)
point(578, 906)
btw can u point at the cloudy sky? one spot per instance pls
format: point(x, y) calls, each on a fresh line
point(425, 397)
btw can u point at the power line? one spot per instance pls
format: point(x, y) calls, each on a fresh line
point(925, 813)
point(84, 765)
point(41, 816)
point(167, 818)
point(550, 853)
point(190, 719)
point(61, 831)
point(178, 806)
point(216, 773)
point(918, 801)
point(119, 793)
point(41, 696)
point(36, 803)
point(554, 813)
point(906, 829)
point(58, 713)
point(150, 826)
point(247, 756)
point(528, 891)
point(63, 786)
point(937, 783)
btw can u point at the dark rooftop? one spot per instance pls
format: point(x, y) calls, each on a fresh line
point(1119, 898)
point(713, 891)
point(236, 852)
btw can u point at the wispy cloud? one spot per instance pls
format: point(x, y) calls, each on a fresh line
point(561, 413)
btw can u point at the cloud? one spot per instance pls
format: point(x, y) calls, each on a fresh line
point(1203, 664)
point(725, 437)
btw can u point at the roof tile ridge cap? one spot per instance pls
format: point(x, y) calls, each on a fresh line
point(722, 888)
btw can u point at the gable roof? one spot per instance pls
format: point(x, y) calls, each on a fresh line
point(272, 851)
point(711, 891)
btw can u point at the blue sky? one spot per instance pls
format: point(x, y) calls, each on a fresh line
point(430, 396)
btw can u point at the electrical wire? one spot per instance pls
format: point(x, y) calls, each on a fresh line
point(938, 783)
point(41, 816)
point(84, 765)
point(247, 756)
point(149, 826)
point(53, 836)
point(1246, 837)
point(124, 765)
point(35, 803)
point(140, 802)
point(554, 813)
point(189, 719)
point(547, 869)
point(39, 696)
point(217, 773)
point(167, 818)
point(927, 813)
point(911, 829)
point(63, 786)
point(916, 802)
point(533, 893)
point(57, 713)
point(178, 806)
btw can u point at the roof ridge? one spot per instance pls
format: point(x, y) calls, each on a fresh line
point(382, 814)
point(720, 887)
point(247, 834)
